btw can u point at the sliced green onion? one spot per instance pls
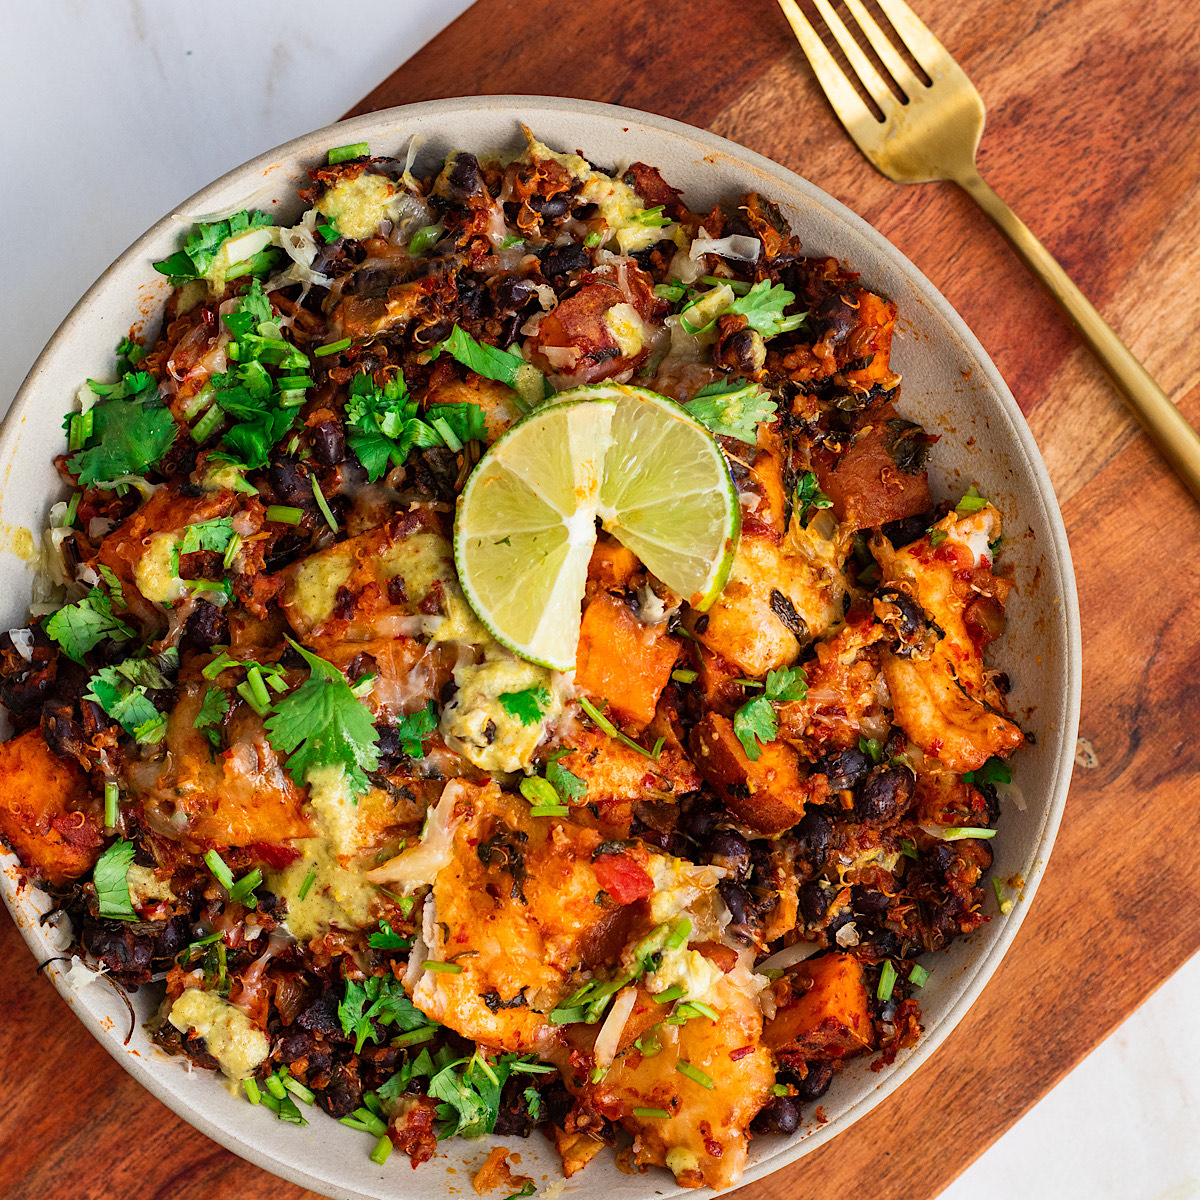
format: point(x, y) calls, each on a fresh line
point(592, 240)
point(737, 286)
point(367, 1121)
point(652, 1114)
point(956, 833)
point(704, 1009)
point(284, 514)
point(1005, 902)
point(972, 502)
point(79, 429)
point(208, 424)
point(548, 810)
point(111, 794)
point(687, 676)
point(672, 993)
point(306, 886)
point(252, 1092)
point(72, 510)
point(918, 975)
point(276, 1088)
point(254, 678)
point(648, 1045)
point(425, 238)
point(220, 872)
point(606, 726)
point(332, 348)
point(247, 693)
point(539, 791)
point(383, 1148)
point(340, 154)
point(414, 1037)
point(235, 544)
point(887, 981)
point(444, 968)
point(218, 664)
point(447, 434)
point(323, 505)
point(908, 849)
point(670, 291)
point(694, 1073)
point(298, 1089)
point(679, 934)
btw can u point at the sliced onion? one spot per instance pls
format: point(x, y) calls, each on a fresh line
point(608, 1040)
point(421, 863)
point(738, 246)
point(788, 957)
point(22, 640)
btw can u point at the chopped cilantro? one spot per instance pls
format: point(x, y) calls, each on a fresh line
point(972, 502)
point(484, 360)
point(786, 684)
point(112, 888)
point(322, 723)
point(382, 424)
point(871, 747)
point(128, 432)
point(78, 628)
point(414, 728)
point(937, 537)
point(465, 420)
point(203, 244)
point(763, 306)
point(387, 939)
point(992, 771)
point(566, 783)
point(733, 408)
point(121, 693)
point(471, 1095)
point(378, 999)
point(809, 498)
point(756, 721)
point(212, 712)
point(526, 706)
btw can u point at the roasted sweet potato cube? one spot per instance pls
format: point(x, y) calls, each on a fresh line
point(767, 794)
point(823, 1011)
point(45, 814)
point(869, 484)
point(612, 566)
point(623, 661)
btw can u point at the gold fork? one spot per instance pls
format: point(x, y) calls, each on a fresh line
point(934, 135)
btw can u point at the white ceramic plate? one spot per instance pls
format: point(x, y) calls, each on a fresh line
point(950, 386)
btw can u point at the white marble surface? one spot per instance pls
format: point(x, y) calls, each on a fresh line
point(117, 111)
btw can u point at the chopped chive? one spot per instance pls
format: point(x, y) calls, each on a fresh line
point(383, 1148)
point(548, 810)
point(414, 1037)
point(444, 968)
point(539, 791)
point(918, 975)
point(367, 1121)
point(672, 993)
point(284, 514)
point(687, 676)
point(323, 504)
point(111, 793)
point(340, 154)
point(705, 1009)
point(737, 286)
point(309, 880)
point(275, 1087)
point(298, 1089)
point(887, 981)
point(235, 544)
point(332, 348)
point(220, 872)
point(694, 1073)
point(252, 1092)
point(247, 693)
point(592, 240)
point(652, 1114)
point(208, 424)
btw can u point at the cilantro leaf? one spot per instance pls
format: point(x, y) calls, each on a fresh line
point(207, 535)
point(112, 888)
point(388, 939)
point(121, 693)
point(733, 408)
point(756, 719)
point(382, 425)
point(786, 684)
point(130, 431)
point(484, 360)
point(465, 420)
point(323, 723)
point(566, 783)
point(78, 628)
point(763, 306)
point(414, 728)
point(212, 712)
point(992, 771)
point(526, 706)
point(972, 502)
point(463, 1105)
point(377, 999)
point(200, 248)
point(809, 498)
point(533, 1100)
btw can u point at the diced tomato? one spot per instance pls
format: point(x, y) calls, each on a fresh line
point(622, 878)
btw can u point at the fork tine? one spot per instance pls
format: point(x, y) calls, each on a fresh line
point(858, 119)
point(863, 68)
point(900, 71)
point(932, 56)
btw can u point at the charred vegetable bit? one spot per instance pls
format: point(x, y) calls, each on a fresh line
point(269, 761)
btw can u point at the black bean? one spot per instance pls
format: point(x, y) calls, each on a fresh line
point(813, 836)
point(328, 443)
point(343, 1094)
point(908, 529)
point(460, 177)
point(290, 483)
point(816, 1083)
point(781, 1115)
point(552, 209)
point(738, 900)
point(430, 335)
point(835, 317)
point(843, 769)
point(743, 350)
point(884, 796)
point(661, 838)
point(514, 292)
point(731, 852)
point(296, 1045)
point(783, 608)
point(321, 1016)
point(206, 627)
point(814, 902)
point(562, 260)
point(902, 616)
point(470, 299)
point(172, 938)
point(700, 821)
point(866, 902)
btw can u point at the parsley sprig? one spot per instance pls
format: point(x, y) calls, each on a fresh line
point(756, 721)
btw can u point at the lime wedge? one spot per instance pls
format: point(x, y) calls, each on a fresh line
point(526, 520)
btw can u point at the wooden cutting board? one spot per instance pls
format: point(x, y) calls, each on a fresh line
point(1094, 139)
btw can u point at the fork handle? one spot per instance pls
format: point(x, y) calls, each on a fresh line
point(1178, 441)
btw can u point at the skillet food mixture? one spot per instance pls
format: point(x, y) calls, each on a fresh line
point(270, 761)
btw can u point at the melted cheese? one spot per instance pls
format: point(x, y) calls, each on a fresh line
point(237, 1044)
point(315, 585)
point(358, 206)
point(685, 968)
point(154, 576)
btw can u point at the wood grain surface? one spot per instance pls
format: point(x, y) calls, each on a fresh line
point(1094, 137)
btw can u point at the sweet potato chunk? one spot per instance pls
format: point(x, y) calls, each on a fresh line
point(498, 402)
point(829, 1019)
point(769, 794)
point(623, 661)
point(867, 484)
point(611, 567)
point(44, 810)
